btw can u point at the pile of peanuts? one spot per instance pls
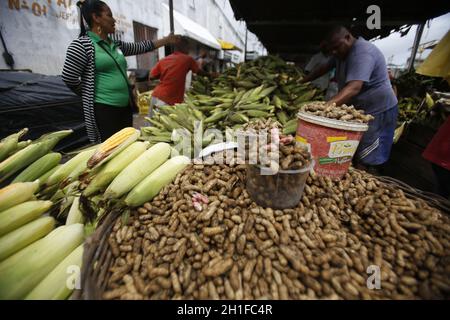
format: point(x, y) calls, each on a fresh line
point(276, 150)
point(342, 239)
point(332, 111)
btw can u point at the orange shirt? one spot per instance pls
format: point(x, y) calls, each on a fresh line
point(172, 71)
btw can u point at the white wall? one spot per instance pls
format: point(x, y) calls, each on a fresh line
point(37, 38)
point(38, 32)
point(147, 12)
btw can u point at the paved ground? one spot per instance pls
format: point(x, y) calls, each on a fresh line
point(139, 121)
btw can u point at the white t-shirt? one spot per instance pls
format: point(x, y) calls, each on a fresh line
point(317, 60)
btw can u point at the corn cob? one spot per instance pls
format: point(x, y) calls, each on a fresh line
point(277, 102)
point(21, 214)
point(17, 193)
point(39, 167)
point(17, 239)
point(152, 130)
point(245, 84)
point(168, 123)
point(290, 127)
point(9, 144)
point(198, 114)
point(267, 91)
point(216, 117)
point(56, 285)
point(155, 121)
point(43, 179)
point(256, 106)
point(64, 191)
point(429, 100)
point(182, 121)
point(22, 144)
point(65, 205)
point(66, 169)
point(113, 146)
point(257, 113)
point(75, 215)
point(23, 271)
point(114, 167)
point(137, 170)
point(158, 179)
point(79, 169)
point(239, 118)
point(159, 138)
point(305, 97)
point(24, 157)
point(282, 117)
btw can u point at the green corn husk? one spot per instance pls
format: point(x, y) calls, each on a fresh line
point(18, 239)
point(58, 284)
point(39, 167)
point(9, 144)
point(21, 214)
point(23, 271)
point(34, 151)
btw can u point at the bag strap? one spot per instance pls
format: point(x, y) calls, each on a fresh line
point(115, 61)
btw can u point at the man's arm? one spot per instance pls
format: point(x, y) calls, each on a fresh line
point(155, 73)
point(195, 68)
point(317, 72)
point(202, 73)
point(359, 70)
point(350, 90)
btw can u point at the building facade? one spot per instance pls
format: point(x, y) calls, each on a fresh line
point(38, 32)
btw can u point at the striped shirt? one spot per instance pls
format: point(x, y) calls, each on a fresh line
point(79, 74)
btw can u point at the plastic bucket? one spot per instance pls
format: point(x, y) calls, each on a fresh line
point(332, 143)
point(278, 191)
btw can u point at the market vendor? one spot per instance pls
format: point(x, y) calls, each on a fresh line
point(363, 81)
point(317, 60)
point(95, 68)
point(203, 60)
point(171, 72)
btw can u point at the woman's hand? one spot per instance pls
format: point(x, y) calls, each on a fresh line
point(171, 39)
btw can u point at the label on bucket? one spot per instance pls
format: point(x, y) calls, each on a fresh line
point(332, 148)
point(340, 149)
point(302, 141)
point(327, 160)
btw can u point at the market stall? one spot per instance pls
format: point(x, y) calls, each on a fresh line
point(143, 222)
point(243, 191)
point(294, 31)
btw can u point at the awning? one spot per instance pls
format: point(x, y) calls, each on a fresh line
point(189, 28)
point(438, 62)
point(227, 45)
point(295, 28)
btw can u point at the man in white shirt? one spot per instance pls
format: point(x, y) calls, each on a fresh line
point(317, 60)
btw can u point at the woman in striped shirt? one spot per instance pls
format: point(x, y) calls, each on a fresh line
point(95, 68)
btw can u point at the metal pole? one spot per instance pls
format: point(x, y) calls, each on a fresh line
point(419, 32)
point(172, 28)
point(169, 49)
point(245, 49)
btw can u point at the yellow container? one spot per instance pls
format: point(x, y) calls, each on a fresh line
point(144, 99)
